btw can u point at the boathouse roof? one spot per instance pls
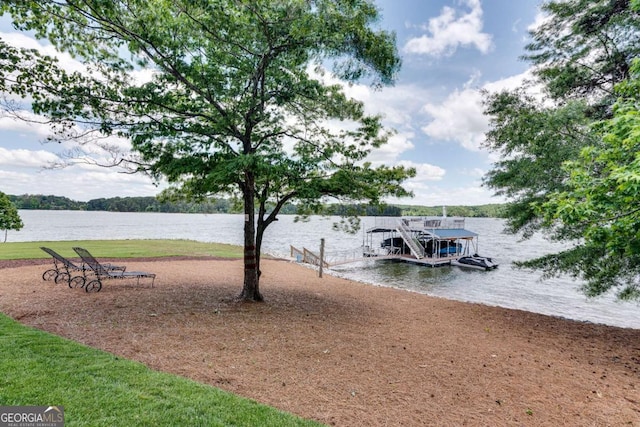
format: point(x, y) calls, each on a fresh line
point(451, 233)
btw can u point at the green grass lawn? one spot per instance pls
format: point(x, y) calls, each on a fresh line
point(99, 389)
point(120, 249)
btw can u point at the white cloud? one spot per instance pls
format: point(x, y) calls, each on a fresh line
point(395, 104)
point(460, 117)
point(26, 158)
point(474, 172)
point(14, 183)
point(32, 128)
point(32, 124)
point(424, 171)
point(80, 182)
point(397, 144)
point(451, 30)
point(419, 185)
point(511, 83)
point(429, 195)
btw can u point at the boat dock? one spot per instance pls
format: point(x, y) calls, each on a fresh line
point(428, 241)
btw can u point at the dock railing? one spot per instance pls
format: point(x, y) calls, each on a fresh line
point(340, 257)
point(306, 256)
point(418, 223)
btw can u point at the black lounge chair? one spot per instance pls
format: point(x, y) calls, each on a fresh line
point(102, 272)
point(64, 269)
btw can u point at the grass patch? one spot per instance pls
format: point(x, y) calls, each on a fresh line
point(120, 249)
point(99, 389)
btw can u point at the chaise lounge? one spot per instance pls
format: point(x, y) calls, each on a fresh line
point(102, 272)
point(64, 270)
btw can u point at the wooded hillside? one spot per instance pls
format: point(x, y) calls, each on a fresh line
point(152, 204)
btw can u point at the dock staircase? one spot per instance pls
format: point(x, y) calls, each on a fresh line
point(416, 249)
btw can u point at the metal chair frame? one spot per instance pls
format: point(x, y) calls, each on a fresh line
point(102, 272)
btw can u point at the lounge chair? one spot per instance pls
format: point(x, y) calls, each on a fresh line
point(64, 269)
point(102, 272)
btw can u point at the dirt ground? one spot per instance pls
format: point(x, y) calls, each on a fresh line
point(345, 353)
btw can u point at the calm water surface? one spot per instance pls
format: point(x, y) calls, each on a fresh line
point(505, 287)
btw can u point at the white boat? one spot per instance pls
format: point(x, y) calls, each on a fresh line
point(475, 261)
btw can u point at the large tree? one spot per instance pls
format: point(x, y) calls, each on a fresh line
point(237, 102)
point(580, 53)
point(600, 204)
point(9, 216)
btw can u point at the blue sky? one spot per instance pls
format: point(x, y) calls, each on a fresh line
point(451, 49)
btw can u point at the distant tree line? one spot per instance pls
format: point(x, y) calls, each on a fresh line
point(363, 210)
point(480, 211)
point(213, 205)
point(122, 204)
point(151, 204)
point(38, 201)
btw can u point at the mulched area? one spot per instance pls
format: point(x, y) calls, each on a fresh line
point(13, 263)
point(345, 353)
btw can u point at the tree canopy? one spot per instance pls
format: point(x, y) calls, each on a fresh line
point(569, 158)
point(9, 217)
point(600, 203)
point(238, 100)
point(584, 48)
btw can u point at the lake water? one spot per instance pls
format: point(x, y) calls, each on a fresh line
point(505, 287)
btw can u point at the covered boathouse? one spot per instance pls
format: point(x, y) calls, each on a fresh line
point(430, 241)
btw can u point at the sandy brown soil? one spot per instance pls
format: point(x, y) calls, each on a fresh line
point(345, 353)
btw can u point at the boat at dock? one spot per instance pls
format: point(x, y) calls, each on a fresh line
point(475, 261)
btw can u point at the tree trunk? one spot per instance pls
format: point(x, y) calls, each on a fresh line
point(251, 287)
point(259, 235)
